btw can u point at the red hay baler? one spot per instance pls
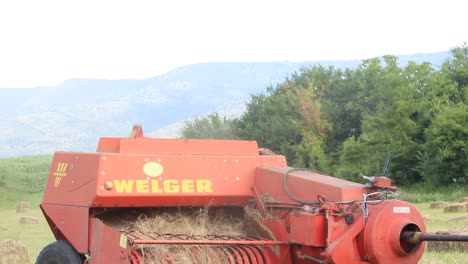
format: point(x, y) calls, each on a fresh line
point(299, 215)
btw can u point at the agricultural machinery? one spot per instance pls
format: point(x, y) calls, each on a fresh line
point(286, 215)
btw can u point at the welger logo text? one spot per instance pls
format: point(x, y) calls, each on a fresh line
point(60, 172)
point(153, 185)
point(163, 186)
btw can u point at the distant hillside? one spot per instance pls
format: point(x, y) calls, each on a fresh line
point(75, 113)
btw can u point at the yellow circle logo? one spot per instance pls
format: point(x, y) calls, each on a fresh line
point(153, 169)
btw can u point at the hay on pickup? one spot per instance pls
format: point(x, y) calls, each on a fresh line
point(199, 223)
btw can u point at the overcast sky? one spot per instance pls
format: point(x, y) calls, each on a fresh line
point(46, 42)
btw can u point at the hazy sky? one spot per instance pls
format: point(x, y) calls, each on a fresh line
point(45, 42)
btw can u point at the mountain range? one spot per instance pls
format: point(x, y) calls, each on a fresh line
point(74, 114)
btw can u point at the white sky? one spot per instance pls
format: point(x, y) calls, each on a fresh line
point(45, 42)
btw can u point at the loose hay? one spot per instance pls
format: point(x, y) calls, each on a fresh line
point(438, 204)
point(455, 208)
point(13, 252)
point(463, 200)
point(194, 222)
point(191, 221)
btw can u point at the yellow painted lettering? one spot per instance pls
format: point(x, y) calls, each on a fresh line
point(155, 186)
point(165, 186)
point(123, 186)
point(204, 186)
point(187, 186)
point(171, 186)
point(142, 186)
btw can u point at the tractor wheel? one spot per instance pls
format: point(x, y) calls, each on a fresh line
point(59, 252)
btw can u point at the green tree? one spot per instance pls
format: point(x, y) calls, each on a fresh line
point(389, 102)
point(456, 70)
point(345, 122)
point(288, 120)
point(445, 156)
point(211, 127)
point(272, 121)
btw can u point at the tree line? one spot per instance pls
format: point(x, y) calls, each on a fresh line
point(344, 122)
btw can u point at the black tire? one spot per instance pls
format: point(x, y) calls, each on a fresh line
point(59, 252)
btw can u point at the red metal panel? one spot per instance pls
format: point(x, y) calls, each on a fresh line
point(72, 179)
point(105, 244)
point(152, 179)
point(165, 180)
point(307, 229)
point(178, 146)
point(305, 185)
point(72, 221)
point(344, 248)
point(109, 145)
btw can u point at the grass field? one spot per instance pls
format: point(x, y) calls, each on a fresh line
point(34, 236)
point(437, 220)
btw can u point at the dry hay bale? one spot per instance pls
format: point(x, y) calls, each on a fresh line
point(194, 223)
point(459, 219)
point(463, 200)
point(22, 207)
point(13, 252)
point(446, 245)
point(455, 208)
point(27, 220)
point(466, 207)
point(438, 204)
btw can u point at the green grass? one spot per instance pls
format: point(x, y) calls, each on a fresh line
point(23, 179)
point(437, 220)
point(423, 193)
point(444, 258)
point(34, 236)
point(9, 198)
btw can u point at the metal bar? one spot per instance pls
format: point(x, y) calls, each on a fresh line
point(418, 237)
point(387, 163)
point(436, 237)
point(209, 242)
point(320, 261)
point(258, 200)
